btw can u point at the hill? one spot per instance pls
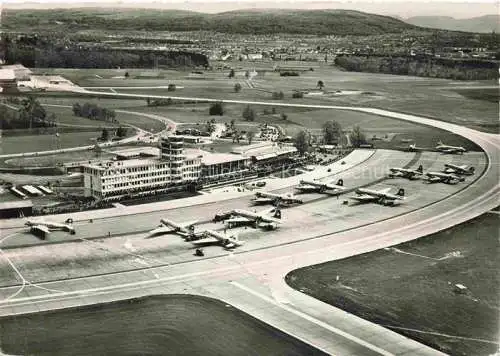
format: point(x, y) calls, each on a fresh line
point(313, 22)
point(482, 24)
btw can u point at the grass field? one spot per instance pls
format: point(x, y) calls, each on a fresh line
point(156, 325)
point(313, 120)
point(33, 143)
point(414, 290)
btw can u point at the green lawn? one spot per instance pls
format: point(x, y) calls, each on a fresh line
point(34, 143)
point(414, 292)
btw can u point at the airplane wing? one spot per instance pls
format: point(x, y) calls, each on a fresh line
point(434, 179)
point(205, 240)
point(239, 219)
point(364, 198)
point(262, 200)
point(269, 219)
point(161, 230)
point(41, 228)
point(334, 186)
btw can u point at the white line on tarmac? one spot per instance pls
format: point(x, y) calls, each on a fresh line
point(441, 334)
point(314, 320)
point(412, 254)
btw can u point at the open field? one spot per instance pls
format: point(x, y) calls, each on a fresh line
point(156, 325)
point(426, 96)
point(411, 286)
point(51, 160)
point(33, 143)
point(301, 118)
point(438, 98)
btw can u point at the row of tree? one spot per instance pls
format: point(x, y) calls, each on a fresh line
point(42, 52)
point(94, 112)
point(31, 114)
point(421, 66)
point(332, 134)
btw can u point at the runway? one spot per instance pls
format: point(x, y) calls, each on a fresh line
point(252, 279)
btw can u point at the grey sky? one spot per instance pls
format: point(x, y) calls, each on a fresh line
point(455, 9)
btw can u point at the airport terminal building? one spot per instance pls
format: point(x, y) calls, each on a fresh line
point(174, 168)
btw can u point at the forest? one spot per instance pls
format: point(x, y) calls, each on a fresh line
point(420, 66)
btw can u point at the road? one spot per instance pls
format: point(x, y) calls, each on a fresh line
point(253, 280)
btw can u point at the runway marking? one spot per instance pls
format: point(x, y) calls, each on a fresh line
point(411, 254)
point(441, 334)
point(314, 320)
point(25, 282)
point(8, 237)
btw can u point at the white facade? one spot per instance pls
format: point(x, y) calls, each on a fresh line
point(115, 179)
point(135, 177)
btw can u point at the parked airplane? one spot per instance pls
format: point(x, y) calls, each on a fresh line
point(245, 217)
point(452, 168)
point(378, 196)
point(406, 173)
point(316, 186)
point(214, 237)
point(438, 177)
point(45, 227)
point(168, 226)
point(449, 149)
point(272, 198)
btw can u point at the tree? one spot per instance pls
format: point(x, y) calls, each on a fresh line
point(236, 136)
point(127, 75)
point(77, 109)
point(357, 137)
point(121, 131)
point(148, 101)
point(247, 74)
point(231, 125)
point(284, 116)
point(171, 87)
point(105, 134)
point(231, 73)
point(320, 84)
point(301, 142)
point(250, 134)
point(278, 95)
point(210, 127)
point(216, 109)
point(332, 132)
point(298, 95)
point(248, 113)
point(237, 87)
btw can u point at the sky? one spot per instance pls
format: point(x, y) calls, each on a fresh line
point(404, 9)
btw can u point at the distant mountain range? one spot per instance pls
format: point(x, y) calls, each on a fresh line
point(254, 21)
point(314, 22)
point(483, 24)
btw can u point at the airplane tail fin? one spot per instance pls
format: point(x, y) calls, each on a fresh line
point(401, 192)
point(420, 169)
point(340, 182)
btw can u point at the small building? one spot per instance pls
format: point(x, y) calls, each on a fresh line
point(21, 72)
point(31, 190)
point(8, 81)
point(16, 209)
